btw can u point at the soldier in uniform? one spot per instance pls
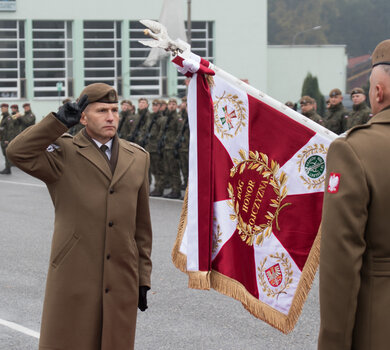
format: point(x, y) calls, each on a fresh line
point(25, 120)
point(124, 114)
point(308, 109)
point(361, 112)
point(335, 118)
point(291, 104)
point(183, 141)
point(14, 109)
point(7, 133)
point(131, 126)
point(100, 260)
point(355, 240)
point(170, 129)
point(163, 108)
point(153, 132)
point(142, 121)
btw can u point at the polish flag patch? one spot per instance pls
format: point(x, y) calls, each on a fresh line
point(334, 181)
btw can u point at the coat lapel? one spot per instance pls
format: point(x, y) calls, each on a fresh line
point(91, 153)
point(125, 159)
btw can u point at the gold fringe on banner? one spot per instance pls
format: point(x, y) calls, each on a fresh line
point(230, 287)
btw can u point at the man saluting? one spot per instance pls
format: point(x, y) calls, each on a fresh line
point(100, 263)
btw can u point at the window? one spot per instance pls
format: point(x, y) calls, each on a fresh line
point(52, 59)
point(144, 81)
point(103, 53)
point(201, 44)
point(12, 60)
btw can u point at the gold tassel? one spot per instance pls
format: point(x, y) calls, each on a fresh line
point(199, 280)
point(210, 80)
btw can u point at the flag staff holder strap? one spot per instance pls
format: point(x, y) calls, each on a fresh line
point(161, 39)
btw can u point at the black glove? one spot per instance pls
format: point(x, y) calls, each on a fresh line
point(142, 302)
point(70, 113)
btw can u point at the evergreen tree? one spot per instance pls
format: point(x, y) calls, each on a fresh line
point(310, 88)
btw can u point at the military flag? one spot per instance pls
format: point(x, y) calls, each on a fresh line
point(250, 221)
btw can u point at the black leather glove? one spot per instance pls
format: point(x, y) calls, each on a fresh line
point(142, 302)
point(70, 113)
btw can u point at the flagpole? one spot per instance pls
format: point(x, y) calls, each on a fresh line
point(189, 24)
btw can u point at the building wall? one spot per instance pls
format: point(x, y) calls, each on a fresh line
point(239, 37)
point(289, 65)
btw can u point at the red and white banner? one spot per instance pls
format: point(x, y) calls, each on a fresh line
point(250, 220)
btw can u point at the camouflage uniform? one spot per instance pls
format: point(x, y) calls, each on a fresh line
point(170, 129)
point(8, 130)
point(123, 115)
point(182, 145)
point(360, 115)
point(151, 140)
point(24, 121)
point(335, 118)
point(128, 126)
point(143, 120)
point(314, 116)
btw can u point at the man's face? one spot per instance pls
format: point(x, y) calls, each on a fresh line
point(358, 98)
point(27, 108)
point(155, 107)
point(172, 106)
point(335, 100)
point(125, 107)
point(163, 107)
point(101, 120)
point(142, 104)
point(14, 110)
point(4, 109)
point(306, 107)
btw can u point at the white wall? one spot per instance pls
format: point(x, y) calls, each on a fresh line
point(289, 65)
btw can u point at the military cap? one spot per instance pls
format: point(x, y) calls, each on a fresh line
point(381, 54)
point(163, 102)
point(143, 99)
point(26, 104)
point(15, 106)
point(357, 90)
point(335, 92)
point(172, 100)
point(4, 105)
point(306, 100)
point(100, 92)
point(289, 104)
point(156, 102)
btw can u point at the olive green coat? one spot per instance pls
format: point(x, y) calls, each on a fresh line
point(8, 128)
point(102, 238)
point(355, 244)
point(24, 121)
point(335, 119)
point(360, 114)
point(314, 116)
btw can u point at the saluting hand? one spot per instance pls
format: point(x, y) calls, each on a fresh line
point(70, 112)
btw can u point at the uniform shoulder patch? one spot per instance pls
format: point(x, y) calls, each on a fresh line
point(138, 146)
point(53, 147)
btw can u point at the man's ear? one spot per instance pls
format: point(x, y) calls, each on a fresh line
point(379, 95)
point(83, 119)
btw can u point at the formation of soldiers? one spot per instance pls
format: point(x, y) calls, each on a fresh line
point(11, 125)
point(337, 118)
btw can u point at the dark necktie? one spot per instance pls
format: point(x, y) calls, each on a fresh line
point(104, 148)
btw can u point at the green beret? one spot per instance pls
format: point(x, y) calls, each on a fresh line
point(100, 92)
point(381, 54)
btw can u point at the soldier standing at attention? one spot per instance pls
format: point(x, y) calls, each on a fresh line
point(14, 110)
point(7, 133)
point(170, 130)
point(124, 114)
point(100, 263)
point(131, 125)
point(361, 112)
point(308, 109)
point(183, 141)
point(355, 228)
point(25, 120)
point(151, 145)
point(335, 119)
point(163, 108)
point(143, 119)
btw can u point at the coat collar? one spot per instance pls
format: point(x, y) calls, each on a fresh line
point(91, 153)
point(383, 117)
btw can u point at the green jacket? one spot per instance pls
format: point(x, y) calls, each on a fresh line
point(170, 130)
point(335, 119)
point(360, 115)
point(25, 120)
point(153, 130)
point(128, 126)
point(314, 116)
point(183, 137)
point(8, 127)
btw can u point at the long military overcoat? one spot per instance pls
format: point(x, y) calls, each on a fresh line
point(355, 245)
point(102, 236)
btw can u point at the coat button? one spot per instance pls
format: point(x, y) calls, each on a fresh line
point(107, 290)
point(111, 190)
point(108, 256)
point(110, 224)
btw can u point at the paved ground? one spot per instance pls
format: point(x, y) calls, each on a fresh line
point(177, 318)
